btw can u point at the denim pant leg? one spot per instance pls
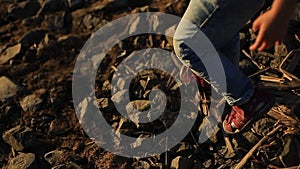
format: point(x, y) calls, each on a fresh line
point(220, 21)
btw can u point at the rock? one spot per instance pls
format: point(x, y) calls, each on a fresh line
point(208, 164)
point(105, 104)
point(290, 155)
point(90, 22)
point(32, 21)
point(33, 37)
point(144, 164)
point(280, 50)
point(58, 127)
point(59, 20)
point(24, 9)
point(208, 130)
point(248, 67)
point(70, 42)
point(136, 112)
point(31, 102)
point(53, 157)
point(19, 138)
point(170, 31)
point(10, 53)
point(121, 83)
point(120, 96)
point(141, 105)
point(51, 6)
point(23, 161)
point(7, 88)
point(182, 163)
point(262, 126)
point(183, 149)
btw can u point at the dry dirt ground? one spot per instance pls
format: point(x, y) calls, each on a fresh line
point(39, 44)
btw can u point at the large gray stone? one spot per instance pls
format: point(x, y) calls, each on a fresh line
point(7, 88)
point(10, 53)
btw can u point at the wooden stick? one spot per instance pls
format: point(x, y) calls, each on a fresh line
point(271, 79)
point(250, 153)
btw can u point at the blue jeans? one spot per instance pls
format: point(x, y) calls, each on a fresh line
point(220, 21)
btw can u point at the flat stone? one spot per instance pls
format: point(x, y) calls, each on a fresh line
point(19, 138)
point(10, 53)
point(7, 88)
point(31, 102)
point(23, 161)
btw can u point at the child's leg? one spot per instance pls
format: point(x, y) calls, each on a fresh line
point(221, 21)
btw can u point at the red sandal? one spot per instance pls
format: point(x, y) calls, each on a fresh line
point(241, 116)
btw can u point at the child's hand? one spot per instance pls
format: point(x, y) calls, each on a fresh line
point(271, 30)
point(273, 24)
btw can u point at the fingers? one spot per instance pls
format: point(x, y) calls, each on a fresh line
point(255, 25)
point(258, 42)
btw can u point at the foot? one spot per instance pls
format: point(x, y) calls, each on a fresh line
point(241, 116)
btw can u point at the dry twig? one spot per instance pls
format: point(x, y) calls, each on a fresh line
point(250, 153)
